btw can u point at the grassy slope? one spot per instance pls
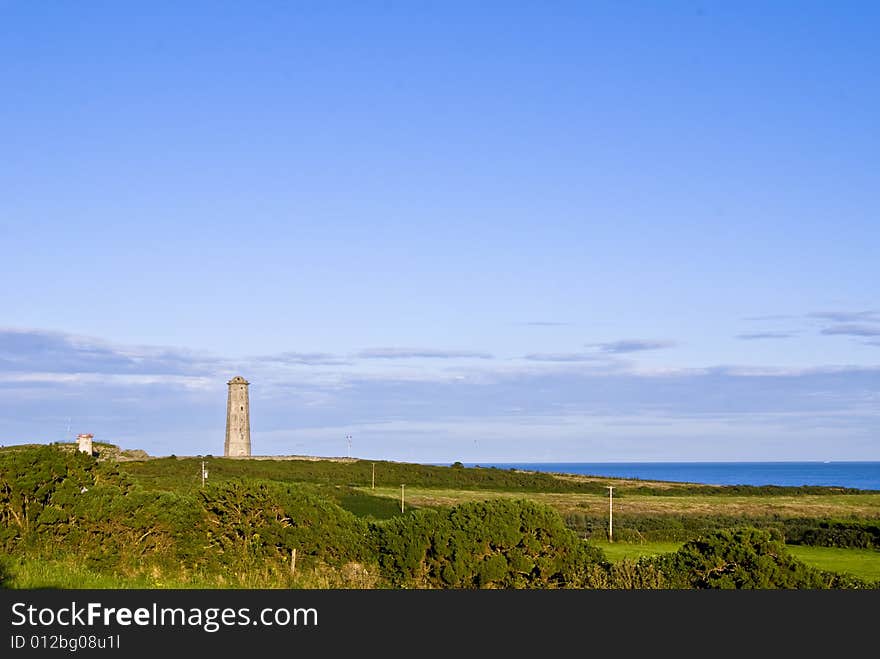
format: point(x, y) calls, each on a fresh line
point(348, 482)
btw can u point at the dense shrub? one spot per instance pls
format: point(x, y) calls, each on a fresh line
point(627, 574)
point(58, 502)
point(744, 559)
point(34, 480)
point(111, 527)
point(854, 533)
point(249, 522)
point(833, 533)
point(489, 544)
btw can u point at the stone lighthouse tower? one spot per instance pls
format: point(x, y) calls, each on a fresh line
point(238, 419)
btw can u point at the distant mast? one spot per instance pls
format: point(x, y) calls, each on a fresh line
point(238, 420)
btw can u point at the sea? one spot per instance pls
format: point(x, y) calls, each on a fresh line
point(858, 475)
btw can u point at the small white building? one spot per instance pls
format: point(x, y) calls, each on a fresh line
point(84, 443)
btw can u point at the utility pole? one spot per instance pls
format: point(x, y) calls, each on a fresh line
point(401, 497)
point(373, 482)
point(610, 513)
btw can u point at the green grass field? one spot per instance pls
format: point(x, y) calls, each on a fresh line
point(862, 563)
point(616, 551)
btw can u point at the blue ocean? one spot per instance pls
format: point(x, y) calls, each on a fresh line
point(859, 475)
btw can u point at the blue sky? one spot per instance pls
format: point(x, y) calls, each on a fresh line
point(586, 231)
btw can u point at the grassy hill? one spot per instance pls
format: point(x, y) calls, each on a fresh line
point(128, 520)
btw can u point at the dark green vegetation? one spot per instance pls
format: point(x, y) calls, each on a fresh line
point(174, 473)
point(848, 533)
point(320, 523)
point(491, 544)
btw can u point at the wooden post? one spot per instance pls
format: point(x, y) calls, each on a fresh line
point(610, 513)
point(293, 561)
point(401, 497)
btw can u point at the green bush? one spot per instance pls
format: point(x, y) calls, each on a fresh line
point(113, 528)
point(488, 544)
point(746, 558)
point(36, 482)
point(857, 534)
point(627, 574)
point(854, 533)
point(250, 522)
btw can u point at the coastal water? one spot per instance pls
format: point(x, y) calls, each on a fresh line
point(860, 475)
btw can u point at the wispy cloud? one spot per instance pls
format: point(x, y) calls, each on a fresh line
point(847, 316)
point(561, 357)
point(770, 317)
point(544, 323)
point(184, 413)
point(420, 353)
point(105, 379)
point(632, 345)
point(42, 351)
point(756, 336)
point(853, 330)
point(304, 359)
